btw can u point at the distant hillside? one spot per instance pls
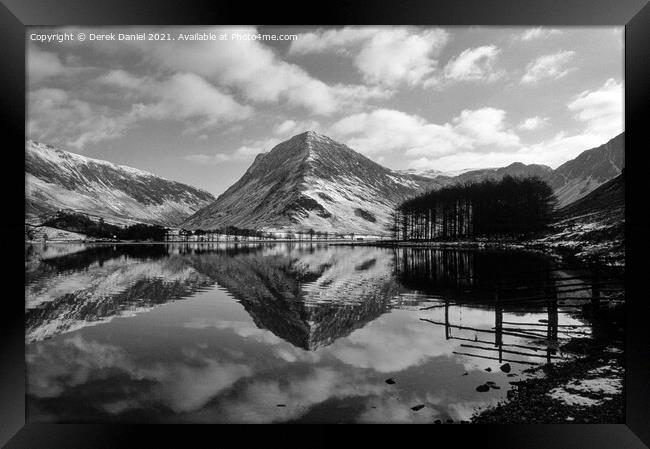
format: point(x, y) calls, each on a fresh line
point(593, 226)
point(57, 179)
point(576, 178)
point(608, 198)
point(570, 181)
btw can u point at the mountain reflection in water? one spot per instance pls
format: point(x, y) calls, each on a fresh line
point(285, 332)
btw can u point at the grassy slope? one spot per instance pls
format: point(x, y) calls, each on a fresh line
point(592, 227)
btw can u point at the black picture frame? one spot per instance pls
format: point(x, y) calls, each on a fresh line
point(15, 15)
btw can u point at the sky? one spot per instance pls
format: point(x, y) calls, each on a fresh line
point(441, 98)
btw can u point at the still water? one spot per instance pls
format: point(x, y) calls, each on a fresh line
point(288, 332)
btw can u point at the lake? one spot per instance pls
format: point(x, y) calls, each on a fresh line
point(218, 333)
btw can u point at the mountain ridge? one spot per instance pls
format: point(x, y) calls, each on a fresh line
point(298, 184)
point(58, 179)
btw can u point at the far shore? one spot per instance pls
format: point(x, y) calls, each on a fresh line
point(565, 250)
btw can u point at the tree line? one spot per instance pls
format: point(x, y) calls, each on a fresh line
point(81, 223)
point(510, 207)
point(245, 233)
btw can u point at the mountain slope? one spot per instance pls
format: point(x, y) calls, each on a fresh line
point(593, 226)
point(310, 181)
point(576, 178)
point(570, 181)
point(516, 169)
point(56, 179)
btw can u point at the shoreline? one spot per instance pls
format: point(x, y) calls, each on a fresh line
point(567, 251)
point(587, 389)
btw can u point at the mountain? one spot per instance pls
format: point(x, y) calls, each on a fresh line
point(57, 179)
point(570, 181)
point(594, 225)
point(576, 178)
point(605, 199)
point(433, 173)
point(516, 169)
point(311, 181)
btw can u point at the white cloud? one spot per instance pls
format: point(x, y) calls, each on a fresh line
point(245, 152)
point(254, 70)
point(251, 148)
point(386, 130)
point(539, 33)
point(601, 109)
point(395, 56)
point(54, 115)
point(552, 152)
point(532, 123)
point(186, 95)
point(339, 40)
point(292, 127)
point(486, 126)
point(474, 64)
point(42, 64)
point(552, 66)
point(412, 51)
point(122, 79)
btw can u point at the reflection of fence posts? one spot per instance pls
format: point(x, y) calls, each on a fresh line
point(498, 324)
point(552, 328)
point(447, 328)
point(595, 287)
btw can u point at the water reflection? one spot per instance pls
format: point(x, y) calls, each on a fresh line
point(261, 333)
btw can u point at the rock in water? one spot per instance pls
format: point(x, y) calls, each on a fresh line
point(505, 368)
point(483, 388)
point(390, 381)
point(417, 407)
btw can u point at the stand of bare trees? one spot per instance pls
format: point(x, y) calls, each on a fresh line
point(510, 207)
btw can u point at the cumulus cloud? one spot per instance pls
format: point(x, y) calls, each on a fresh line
point(387, 130)
point(251, 148)
point(532, 123)
point(122, 79)
point(42, 64)
point(412, 51)
point(257, 73)
point(485, 126)
point(292, 127)
point(186, 95)
point(601, 109)
point(552, 66)
point(242, 153)
point(538, 33)
point(55, 115)
point(474, 64)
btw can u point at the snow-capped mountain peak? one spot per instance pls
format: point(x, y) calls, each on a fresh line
point(58, 179)
point(310, 181)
